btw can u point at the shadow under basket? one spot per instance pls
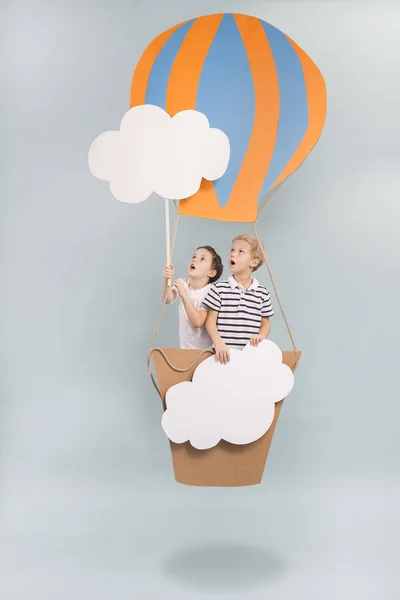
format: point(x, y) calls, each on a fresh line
point(225, 465)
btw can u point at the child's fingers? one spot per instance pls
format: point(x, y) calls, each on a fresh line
point(221, 357)
point(255, 340)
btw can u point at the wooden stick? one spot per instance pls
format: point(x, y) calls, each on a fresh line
point(167, 237)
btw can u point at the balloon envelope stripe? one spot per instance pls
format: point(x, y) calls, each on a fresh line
point(255, 164)
point(227, 99)
point(316, 99)
point(141, 74)
point(293, 110)
point(184, 78)
point(159, 75)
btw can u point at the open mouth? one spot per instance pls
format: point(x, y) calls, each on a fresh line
point(192, 267)
point(232, 262)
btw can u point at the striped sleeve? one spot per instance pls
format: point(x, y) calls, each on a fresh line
point(213, 299)
point(266, 305)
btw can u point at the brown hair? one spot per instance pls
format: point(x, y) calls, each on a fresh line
point(255, 251)
point(216, 263)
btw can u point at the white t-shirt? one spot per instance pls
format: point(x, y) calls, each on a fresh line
point(192, 337)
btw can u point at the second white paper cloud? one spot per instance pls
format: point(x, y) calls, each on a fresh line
point(233, 402)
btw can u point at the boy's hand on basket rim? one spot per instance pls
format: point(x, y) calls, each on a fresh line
point(256, 338)
point(222, 352)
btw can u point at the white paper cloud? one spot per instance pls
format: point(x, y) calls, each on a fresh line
point(233, 402)
point(153, 152)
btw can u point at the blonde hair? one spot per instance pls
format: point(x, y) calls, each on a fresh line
point(255, 251)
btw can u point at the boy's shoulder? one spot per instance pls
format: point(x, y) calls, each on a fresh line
point(262, 288)
point(228, 283)
point(222, 283)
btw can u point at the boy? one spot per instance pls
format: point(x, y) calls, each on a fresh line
point(204, 269)
point(240, 307)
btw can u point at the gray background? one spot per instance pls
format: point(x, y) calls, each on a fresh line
point(89, 507)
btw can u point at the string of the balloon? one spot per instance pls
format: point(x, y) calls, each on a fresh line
point(278, 187)
point(164, 301)
point(296, 351)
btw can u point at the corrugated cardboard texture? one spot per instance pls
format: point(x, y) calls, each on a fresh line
point(225, 465)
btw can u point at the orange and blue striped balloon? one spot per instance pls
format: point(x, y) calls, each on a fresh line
point(253, 82)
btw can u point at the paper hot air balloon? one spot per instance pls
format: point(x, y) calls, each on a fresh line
point(251, 81)
point(257, 87)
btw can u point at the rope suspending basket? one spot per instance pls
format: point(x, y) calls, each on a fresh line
point(224, 108)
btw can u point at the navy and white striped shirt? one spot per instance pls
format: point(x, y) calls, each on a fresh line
point(239, 310)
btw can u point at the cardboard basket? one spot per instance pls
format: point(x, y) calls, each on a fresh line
point(225, 465)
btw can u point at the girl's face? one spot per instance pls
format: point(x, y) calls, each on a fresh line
point(200, 266)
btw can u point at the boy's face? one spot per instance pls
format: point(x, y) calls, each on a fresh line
point(240, 259)
point(200, 266)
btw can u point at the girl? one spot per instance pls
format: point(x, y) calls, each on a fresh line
point(204, 269)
